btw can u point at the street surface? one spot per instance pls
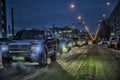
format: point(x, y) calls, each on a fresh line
point(86, 63)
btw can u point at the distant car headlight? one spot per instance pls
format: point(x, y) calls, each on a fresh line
point(108, 42)
point(83, 42)
point(4, 47)
point(64, 48)
point(79, 43)
point(73, 43)
point(69, 45)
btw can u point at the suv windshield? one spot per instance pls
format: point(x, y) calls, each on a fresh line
point(29, 34)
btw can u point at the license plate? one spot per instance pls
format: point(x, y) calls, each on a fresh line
point(18, 58)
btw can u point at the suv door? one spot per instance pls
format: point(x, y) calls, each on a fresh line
point(51, 43)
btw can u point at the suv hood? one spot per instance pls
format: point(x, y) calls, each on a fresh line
point(24, 42)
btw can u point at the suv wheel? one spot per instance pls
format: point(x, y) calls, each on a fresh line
point(54, 56)
point(43, 60)
point(6, 63)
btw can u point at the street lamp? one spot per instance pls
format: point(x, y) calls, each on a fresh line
point(108, 3)
point(72, 6)
point(80, 21)
point(79, 17)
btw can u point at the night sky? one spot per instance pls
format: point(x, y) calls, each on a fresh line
point(44, 13)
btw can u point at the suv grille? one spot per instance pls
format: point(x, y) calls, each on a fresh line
point(19, 47)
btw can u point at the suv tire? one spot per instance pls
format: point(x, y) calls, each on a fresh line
point(54, 56)
point(6, 63)
point(43, 59)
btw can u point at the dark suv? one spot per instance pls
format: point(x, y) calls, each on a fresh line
point(30, 45)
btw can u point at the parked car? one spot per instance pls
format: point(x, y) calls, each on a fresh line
point(65, 45)
point(103, 42)
point(117, 43)
point(77, 41)
point(30, 45)
point(112, 42)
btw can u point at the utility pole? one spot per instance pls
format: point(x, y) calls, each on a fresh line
point(53, 26)
point(12, 17)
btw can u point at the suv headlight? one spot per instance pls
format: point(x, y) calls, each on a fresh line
point(33, 48)
point(4, 47)
point(36, 48)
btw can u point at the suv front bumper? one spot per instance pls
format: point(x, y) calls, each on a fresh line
point(27, 57)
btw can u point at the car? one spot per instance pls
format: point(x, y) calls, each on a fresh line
point(104, 42)
point(112, 42)
point(70, 44)
point(30, 45)
point(77, 41)
point(65, 45)
point(117, 43)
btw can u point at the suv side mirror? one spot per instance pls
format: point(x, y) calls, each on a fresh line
point(49, 37)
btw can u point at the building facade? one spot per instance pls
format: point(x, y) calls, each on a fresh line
point(3, 28)
point(114, 20)
point(105, 30)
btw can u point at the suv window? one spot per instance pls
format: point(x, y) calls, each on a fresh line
point(29, 34)
point(18, 35)
point(4, 39)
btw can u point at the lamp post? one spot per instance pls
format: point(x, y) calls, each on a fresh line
point(103, 22)
point(72, 6)
point(12, 15)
